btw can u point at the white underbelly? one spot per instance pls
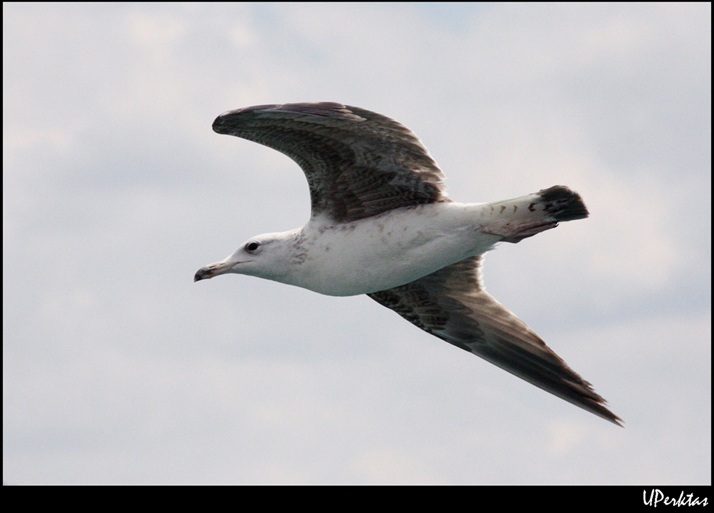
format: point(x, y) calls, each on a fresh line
point(391, 250)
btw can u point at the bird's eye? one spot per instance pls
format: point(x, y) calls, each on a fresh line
point(252, 246)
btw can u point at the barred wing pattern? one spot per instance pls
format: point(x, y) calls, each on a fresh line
point(358, 163)
point(453, 305)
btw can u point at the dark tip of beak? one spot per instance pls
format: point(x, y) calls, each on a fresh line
point(202, 274)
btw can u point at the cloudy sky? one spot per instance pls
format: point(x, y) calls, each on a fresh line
point(118, 368)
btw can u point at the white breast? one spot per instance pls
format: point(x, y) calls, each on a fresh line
point(386, 251)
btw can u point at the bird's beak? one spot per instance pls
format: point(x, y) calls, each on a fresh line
point(212, 270)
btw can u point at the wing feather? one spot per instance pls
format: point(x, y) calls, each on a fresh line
point(453, 305)
point(357, 163)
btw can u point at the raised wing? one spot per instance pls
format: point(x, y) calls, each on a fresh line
point(358, 163)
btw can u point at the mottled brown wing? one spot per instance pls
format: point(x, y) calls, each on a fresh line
point(358, 163)
point(453, 305)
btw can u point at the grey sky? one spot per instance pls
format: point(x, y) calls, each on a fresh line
point(117, 368)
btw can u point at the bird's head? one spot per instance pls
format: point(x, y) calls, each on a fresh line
point(265, 256)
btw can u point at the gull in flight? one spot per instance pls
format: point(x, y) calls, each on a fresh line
point(383, 225)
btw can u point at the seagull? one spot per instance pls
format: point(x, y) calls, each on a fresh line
point(383, 225)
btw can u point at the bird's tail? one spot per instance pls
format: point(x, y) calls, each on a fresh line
point(519, 218)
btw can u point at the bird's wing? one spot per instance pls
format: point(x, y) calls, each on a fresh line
point(358, 163)
point(453, 305)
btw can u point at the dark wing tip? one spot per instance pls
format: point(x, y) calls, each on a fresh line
point(226, 122)
point(608, 415)
point(581, 393)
